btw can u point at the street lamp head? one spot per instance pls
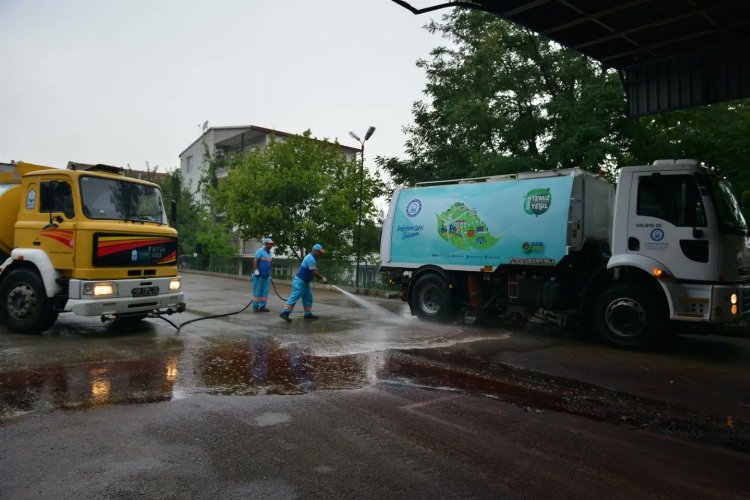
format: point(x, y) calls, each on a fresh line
point(355, 136)
point(369, 133)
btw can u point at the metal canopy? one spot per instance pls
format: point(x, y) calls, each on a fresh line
point(674, 54)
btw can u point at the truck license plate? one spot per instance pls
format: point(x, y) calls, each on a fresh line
point(145, 291)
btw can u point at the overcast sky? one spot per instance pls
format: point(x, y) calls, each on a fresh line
point(131, 81)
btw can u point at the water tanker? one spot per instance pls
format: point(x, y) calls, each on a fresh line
point(86, 240)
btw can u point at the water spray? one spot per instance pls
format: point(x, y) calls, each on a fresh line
point(349, 295)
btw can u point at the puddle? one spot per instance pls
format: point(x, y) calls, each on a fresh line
point(265, 366)
point(86, 385)
point(249, 366)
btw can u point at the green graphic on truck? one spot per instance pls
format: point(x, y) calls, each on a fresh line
point(461, 226)
point(537, 201)
point(474, 225)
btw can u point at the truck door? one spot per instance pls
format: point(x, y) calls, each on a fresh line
point(668, 222)
point(50, 199)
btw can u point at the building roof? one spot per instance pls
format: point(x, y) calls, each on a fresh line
point(255, 131)
point(152, 176)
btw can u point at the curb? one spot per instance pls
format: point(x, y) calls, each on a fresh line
point(371, 292)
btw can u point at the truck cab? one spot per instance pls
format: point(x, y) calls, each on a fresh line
point(681, 223)
point(86, 240)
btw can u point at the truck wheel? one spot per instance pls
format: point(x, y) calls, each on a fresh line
point(629, 317)
point(24, 305)
point(431, 298)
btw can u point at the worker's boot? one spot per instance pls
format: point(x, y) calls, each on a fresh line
point(285, 317)
point(311, 316)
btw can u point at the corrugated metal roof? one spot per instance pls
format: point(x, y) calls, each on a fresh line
point(674, 53)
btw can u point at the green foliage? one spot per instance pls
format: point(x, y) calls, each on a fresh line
point(198, 231)
point(717, 135)
point(501, 99)
point(209, 180)
point(300, 191)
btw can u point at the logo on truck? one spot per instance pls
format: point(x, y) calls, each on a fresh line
point(413, 208)
point(532, 246)
point(537, 201)
point(657, 234)
point(464, 229)
point(31, 199)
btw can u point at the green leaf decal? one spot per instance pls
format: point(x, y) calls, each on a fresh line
point(537, 201)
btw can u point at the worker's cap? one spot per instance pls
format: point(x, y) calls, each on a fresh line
point(267, 240)
point(318, 247)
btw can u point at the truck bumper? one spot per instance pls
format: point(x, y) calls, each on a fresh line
point(131, 296)
point(709, 303)
point(127, 305)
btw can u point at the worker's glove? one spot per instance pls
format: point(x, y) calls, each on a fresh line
point(257, 273)
point(324, 280)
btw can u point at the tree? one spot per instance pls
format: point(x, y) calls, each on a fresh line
point(199, 232)
point(502, 100)
point(300, 191)
point(717, 135)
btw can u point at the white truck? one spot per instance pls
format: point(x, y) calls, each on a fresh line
point(668, 243)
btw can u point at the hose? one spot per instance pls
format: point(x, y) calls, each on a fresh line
point(283, 299)
point(181, 326)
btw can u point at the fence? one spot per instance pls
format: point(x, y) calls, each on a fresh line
point(338, 272)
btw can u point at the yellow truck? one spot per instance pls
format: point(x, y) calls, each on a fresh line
point(86, 240)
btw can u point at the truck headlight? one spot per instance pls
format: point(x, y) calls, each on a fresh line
point(99, 289)
point(174, 284)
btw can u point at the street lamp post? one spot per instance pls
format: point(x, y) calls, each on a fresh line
point(361, 142)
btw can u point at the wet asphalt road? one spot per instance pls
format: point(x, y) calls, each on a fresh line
point(364, 402)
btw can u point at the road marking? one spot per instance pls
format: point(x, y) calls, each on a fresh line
point(416, 407)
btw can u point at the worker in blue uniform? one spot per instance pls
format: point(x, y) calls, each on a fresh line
point(301, 284)
point(262, 275)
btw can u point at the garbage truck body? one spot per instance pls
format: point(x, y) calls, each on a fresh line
point(668, 243)
point(86, 240)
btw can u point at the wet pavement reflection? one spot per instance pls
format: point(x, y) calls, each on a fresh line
point(82, 364)
point(85, 385)
point(265, 366)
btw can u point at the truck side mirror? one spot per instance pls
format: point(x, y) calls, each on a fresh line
point(173, 211)
point(697, 233)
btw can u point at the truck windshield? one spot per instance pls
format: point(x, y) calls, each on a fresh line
point(728, 210)
point(121, 200)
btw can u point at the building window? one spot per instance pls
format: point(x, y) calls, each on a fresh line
point(280, 269)
point(189, 164)
point(249, 247)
